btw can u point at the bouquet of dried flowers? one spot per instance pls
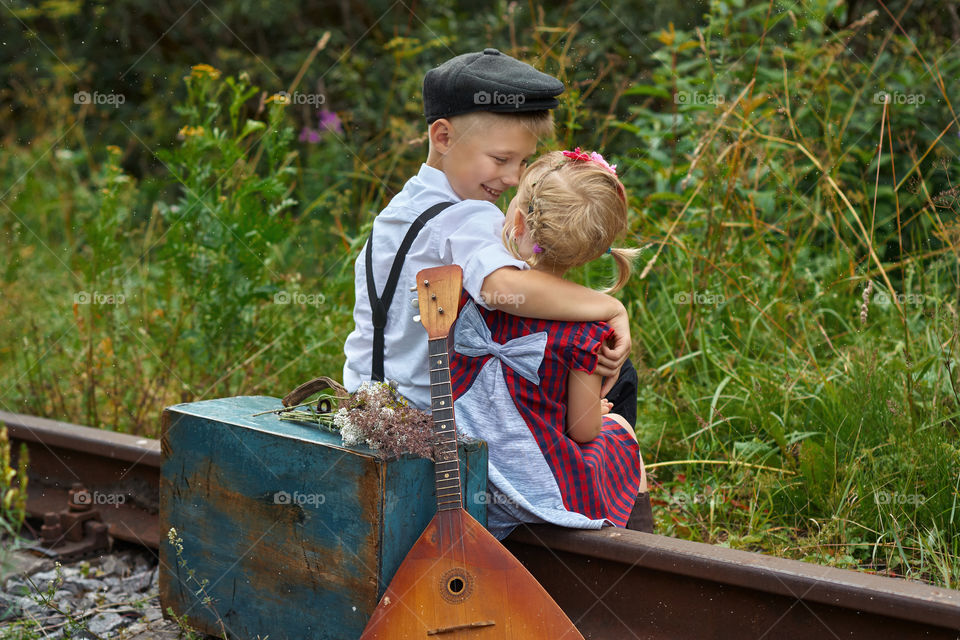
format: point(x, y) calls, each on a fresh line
point(376, 416)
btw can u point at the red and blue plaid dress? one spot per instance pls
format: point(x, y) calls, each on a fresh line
point(510, 389)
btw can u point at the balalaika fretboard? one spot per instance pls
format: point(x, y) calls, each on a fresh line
point(447, 466)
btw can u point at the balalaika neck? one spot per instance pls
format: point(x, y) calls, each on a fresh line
point(447, 467)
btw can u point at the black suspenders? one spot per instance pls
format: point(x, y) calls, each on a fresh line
point(379, 305)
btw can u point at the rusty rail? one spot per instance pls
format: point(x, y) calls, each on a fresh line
point(612, 583)
point(120, 472)
point(616, 583)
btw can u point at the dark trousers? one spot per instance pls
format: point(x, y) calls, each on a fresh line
point(623, 395)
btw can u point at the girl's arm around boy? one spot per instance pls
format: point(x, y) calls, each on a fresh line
point(537, 294)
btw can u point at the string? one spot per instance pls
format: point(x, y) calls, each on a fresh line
point(456, 440)
point(452, 520)
point(442, 387)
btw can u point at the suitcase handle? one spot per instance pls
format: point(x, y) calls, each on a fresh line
point(311, 387)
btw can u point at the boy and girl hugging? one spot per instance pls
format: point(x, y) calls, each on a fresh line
point(539, 365)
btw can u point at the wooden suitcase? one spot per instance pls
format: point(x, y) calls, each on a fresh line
point(292, 534)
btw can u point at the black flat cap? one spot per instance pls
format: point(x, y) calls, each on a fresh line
point(487, 81)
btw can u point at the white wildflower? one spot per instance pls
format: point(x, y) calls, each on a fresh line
point(341, 419)
point(351, 435)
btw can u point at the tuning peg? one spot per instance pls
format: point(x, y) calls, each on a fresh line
point(413, 289)
point(416, 318)
point(415, 303)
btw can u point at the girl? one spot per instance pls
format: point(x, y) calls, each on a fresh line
point(527, 386)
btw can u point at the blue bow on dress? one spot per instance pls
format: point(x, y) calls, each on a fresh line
point(523, 354)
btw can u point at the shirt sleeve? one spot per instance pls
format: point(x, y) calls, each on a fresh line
point(469, 234)
point(582, 344)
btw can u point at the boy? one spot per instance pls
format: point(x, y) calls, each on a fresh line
point(486, 112)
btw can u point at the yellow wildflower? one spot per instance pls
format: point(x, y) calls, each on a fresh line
point(200, 70)
point(188, 131)
point(114, 149)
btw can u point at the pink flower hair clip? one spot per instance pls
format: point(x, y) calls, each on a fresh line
point(593, 156)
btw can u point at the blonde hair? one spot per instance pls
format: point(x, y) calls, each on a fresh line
point(573, 210)
point(539, 123)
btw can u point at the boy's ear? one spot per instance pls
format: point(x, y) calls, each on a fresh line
point(441, 134)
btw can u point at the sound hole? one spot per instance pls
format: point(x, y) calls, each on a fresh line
point(456, 585)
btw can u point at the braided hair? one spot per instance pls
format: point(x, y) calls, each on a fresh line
point(573, 210)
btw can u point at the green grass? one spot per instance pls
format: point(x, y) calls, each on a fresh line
point(778, 409)
point(752, 322)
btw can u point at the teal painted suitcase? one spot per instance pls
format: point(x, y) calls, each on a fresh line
point(293, 535)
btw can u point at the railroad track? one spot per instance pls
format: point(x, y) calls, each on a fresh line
point(613, 583)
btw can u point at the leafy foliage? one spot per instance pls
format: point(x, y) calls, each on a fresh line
point(13, 495)
point(791, 176)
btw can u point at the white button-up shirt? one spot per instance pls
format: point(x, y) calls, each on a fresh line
point(467, 233)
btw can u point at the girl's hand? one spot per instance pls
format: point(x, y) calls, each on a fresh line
point(605, 406)
point(612, 356)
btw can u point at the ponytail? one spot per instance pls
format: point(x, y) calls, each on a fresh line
point(624, 259)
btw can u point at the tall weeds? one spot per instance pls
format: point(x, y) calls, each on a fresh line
point(775, 187)
point(780, 168)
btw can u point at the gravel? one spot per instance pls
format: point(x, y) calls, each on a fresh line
point(112, 596)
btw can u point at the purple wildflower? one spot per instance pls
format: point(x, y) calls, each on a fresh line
point(377, 416)
point(309, 135)
point(329, 121)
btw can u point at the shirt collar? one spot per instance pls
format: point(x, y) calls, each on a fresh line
point(436, 179)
